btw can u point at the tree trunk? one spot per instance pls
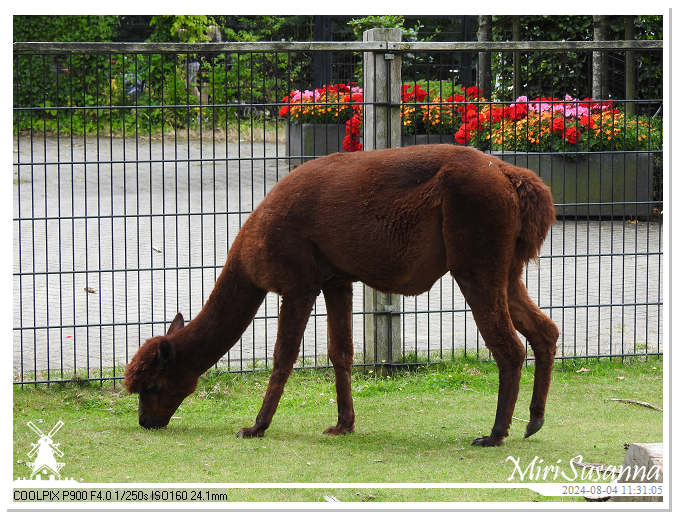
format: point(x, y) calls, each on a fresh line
point(599, 87)
point(630, 72)
point(516, 36)
point(484, 73)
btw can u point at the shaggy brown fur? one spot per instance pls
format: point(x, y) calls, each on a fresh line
point(396, 220)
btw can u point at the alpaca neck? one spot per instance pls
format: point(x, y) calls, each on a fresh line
point(231, 307)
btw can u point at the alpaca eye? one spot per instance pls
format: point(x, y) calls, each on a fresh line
point(152, 388)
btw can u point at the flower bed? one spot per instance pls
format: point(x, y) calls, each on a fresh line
point(582, 132)
point(557, 125)
point(330, 104)
point(538, 125)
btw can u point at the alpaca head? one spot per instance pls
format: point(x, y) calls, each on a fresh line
point(161, 382)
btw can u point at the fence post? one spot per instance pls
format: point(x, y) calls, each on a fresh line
point(381, 129)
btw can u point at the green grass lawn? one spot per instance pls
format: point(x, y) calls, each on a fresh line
point(412, 426)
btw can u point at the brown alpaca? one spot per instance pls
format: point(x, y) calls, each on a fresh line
point(396, 220)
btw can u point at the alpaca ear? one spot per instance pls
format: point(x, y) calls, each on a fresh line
point(165, 352)
point(177, 323)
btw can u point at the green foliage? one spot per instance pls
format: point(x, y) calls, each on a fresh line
point(547, 74)
point(59, 83)
point(64, 28)
point(385, 22)
point(176, 28)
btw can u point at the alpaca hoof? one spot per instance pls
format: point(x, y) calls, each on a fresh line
point(247, 433)
point(533, 426)
point(338, 430)
point(487, 440)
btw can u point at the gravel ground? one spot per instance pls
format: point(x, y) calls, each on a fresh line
point(112, 237)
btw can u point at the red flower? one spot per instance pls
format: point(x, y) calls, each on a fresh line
point(520, 110)
point(410, 92)
point(472, 92)
point(572, 134)
point(285, 109)
point(464, 134)
point(472, 115)
point(353, 125)
point(516, 112)
point(405, 94)
point(586, 121)
point(421, 94)
point(558, 124)
point(358, 97)
point(351, 144)
point(496, 114)
point(596, 106)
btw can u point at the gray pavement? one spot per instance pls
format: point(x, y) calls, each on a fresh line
point(114, 237)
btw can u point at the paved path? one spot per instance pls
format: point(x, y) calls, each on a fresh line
point(115, 237)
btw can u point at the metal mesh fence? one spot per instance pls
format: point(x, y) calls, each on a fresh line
point(136, 165)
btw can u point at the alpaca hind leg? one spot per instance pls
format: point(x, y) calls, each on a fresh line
point(488, 302)
point(341, 353)
point(542, 335)
point(294, 314)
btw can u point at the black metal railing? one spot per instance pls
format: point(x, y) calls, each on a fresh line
point(136, 164)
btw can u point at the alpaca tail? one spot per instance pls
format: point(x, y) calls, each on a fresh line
point(537, 211)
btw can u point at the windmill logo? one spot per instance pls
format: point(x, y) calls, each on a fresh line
point(45, 450)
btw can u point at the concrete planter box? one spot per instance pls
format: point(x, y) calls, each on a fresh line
point(310, 140)
point(410, 140)
point(607, 184)
point(596, 184)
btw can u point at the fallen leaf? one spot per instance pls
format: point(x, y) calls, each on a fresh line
point(583, 369)
point(620, 378)
point(90, 290)
point(157, 249)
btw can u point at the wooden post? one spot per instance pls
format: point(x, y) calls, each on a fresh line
point(381, 129)
point(630, 69)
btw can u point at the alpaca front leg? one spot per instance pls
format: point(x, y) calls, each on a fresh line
point(341, 353)
point(293, 317)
